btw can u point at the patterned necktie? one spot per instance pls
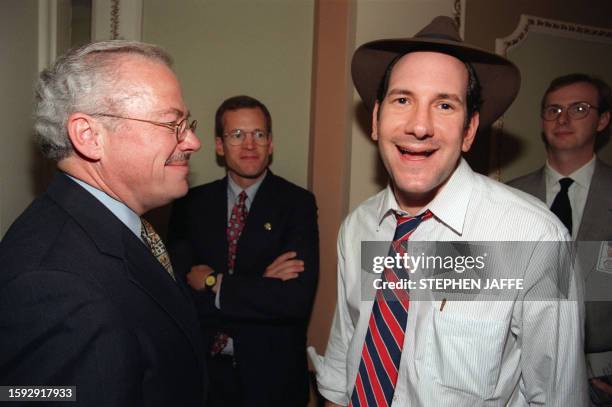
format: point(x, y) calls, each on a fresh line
point(234, 229)
point(561, 205)
point(155, 244)
point(382, 349)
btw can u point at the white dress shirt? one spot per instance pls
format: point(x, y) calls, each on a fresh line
point(577, 192)
point(473, 353)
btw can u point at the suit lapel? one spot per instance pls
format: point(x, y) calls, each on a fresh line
point(113, 238)
point(260, 216)
point(150, 276)
point(598, 206)
point(539, 187)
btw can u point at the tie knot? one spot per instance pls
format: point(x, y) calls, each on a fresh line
point(565, 183)
point(407, 224)
point(242, 198)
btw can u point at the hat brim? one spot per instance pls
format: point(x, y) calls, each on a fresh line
point(499, 78)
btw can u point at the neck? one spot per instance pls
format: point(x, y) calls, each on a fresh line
point(567, 162)
point(413, 203)
point(244, 182)
point(87, 173)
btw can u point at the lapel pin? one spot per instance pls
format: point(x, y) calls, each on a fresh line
point(268, 226)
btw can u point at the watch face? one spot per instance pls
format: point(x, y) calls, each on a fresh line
point(210, 280)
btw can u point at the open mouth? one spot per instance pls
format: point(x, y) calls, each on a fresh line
point(412, 153)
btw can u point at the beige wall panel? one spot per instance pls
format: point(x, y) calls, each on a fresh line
point(18, 70)
point(541, 57)
point(222, 48)
point(376, 19)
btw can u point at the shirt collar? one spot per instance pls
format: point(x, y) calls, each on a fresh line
point(234, 189)
point(127, 216)
point(582, 176)
point(449, 206)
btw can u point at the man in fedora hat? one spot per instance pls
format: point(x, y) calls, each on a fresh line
point(428, 95)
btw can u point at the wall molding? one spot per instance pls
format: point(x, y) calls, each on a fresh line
point(116, 19)
point(528, 23)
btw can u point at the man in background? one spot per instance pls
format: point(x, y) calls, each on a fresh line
point(577, 186)
point(88, 295)
point(250, 243)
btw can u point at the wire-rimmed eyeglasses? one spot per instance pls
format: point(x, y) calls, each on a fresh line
point(179, 128)
point(237, 136)
point(577, 111)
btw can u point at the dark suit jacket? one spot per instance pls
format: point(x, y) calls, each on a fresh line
point(266, 317)
point(596, 226)
point(84, 303)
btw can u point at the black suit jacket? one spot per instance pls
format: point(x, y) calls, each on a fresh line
point(266, 317)
point(84, 303)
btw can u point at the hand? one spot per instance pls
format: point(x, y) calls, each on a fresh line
point(197, 275)
point(601, 385)
point(285, 267)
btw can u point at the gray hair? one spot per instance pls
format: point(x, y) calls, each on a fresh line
point(82, 81)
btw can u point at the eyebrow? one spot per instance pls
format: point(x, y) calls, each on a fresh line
point(179, 113)
point(405, 92)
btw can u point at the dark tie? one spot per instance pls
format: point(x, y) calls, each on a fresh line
point(155, 244)
point(382, 349)
point(561, 205)
point(234, 229)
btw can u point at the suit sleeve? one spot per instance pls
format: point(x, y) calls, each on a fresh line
point(270, 298)
point(58, 329)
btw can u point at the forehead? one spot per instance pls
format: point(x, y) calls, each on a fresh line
point(243, 118)
point(153, 81)
point(575, 92)
point(430, 71)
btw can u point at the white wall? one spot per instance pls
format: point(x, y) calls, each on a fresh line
point(18, 70)
point(222, 48)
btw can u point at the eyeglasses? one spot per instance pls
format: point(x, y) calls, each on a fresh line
point(577, 111)
point(237, 136)
point(179, 128)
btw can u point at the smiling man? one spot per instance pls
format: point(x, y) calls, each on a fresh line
point(428, 96)
point(88, 295)
point(252, 252)
point(577, 187)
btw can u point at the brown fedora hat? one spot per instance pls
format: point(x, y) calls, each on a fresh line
point(499, 78)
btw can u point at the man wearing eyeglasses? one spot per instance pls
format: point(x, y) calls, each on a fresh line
point(577, 187)
point(252, 253)
point(88, 295)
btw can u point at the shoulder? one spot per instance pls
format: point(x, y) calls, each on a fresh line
point(206, 189)
point(527, 179)
point(512, 213)
point(46, 237)
point(602, 169)
point(365, 216)
point(288, 189)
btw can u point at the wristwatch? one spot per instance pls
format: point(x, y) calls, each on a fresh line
point(210, 281)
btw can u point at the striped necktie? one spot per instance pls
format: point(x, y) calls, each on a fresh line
point(382, 349)
point(156, 246)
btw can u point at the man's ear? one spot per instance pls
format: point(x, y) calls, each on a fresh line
point(83, 131)
point(219, 146)
point(470, 132)
point(271, 145)
point(374, 134)
point(604, 120)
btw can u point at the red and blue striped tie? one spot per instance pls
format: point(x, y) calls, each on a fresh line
point(382, 349)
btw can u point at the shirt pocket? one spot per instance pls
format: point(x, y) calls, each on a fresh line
point(464, 355)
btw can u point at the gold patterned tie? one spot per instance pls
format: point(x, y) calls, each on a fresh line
point(152, 239)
